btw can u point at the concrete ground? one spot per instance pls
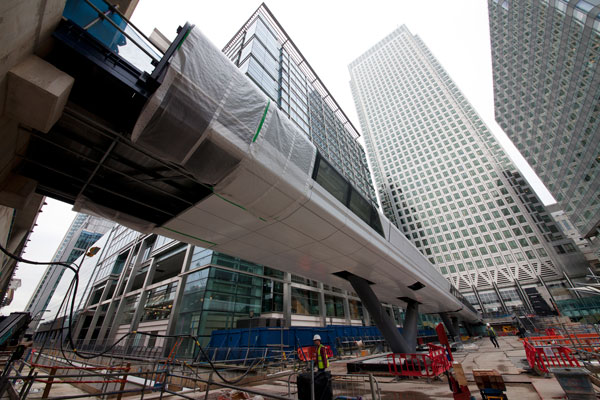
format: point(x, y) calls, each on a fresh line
point(509, 360)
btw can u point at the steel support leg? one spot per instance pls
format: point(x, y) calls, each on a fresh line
point(468, 328)
point(448, 324)
point(382, 320)
point(409, 327)
point(456, 325)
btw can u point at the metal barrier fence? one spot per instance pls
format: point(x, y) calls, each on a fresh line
point(429, 365)
point(540, 358)
point(351, 386)
point(586, 341)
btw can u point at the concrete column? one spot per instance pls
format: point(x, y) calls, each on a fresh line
point(448, 324)
point(409, 327)
point(398, 344)
point(366, 317)
point(179, 295)
point(456, 325)
point(476, 293)
point(287, 300)
point(322, 308)
point(552, 299)
point(347, 310)
point(576, 292)
point(500, 299)
point(523, 296)
point(468, 328)
point(96, 316)
point(123, 280)
point(134, 322)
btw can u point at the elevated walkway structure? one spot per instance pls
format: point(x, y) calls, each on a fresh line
point(182, 144)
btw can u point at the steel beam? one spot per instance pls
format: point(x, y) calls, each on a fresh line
point(409, 327)
point(398, 344)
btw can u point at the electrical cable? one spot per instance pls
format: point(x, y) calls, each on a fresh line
point(72, 292)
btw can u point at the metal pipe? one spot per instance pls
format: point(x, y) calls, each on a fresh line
point(116, 9)
point(117, 27)
point(312, 380)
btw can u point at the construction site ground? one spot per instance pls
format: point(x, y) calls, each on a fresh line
point(509, 360)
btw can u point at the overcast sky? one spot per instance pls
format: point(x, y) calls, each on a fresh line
point(330, 34)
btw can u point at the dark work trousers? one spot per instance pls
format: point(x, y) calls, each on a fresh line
point(494, 341)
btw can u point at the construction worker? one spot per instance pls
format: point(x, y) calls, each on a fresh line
point(492, 334)
point(322, 360)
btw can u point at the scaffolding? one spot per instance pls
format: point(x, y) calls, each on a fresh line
point(41, 374)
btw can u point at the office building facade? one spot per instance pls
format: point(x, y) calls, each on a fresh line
point(546, 77)
point(150, 283)
point(440, 174)
point(265, 53)
point(83, 232)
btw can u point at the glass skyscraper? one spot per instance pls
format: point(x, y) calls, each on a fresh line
point(443, 178)
point(265, 53)
point(545, 65)
point(84, 231)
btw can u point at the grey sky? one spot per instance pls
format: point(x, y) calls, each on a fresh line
point(330, 34)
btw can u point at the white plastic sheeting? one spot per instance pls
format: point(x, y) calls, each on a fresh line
point(207, 117)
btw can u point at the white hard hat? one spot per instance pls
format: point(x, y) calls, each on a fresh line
point(488, 324)
point(316, 337)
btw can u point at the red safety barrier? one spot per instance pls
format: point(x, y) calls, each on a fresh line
point(426, 365)
point(543, 357)
point(551, 332)
point(310, 353)
point(586, 341)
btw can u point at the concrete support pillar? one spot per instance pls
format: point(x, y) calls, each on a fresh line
point(476, 293)
point(524, 297)
point(37, 93)
point(456, 325)
point(347, 311)
point(366, 317)
point(287, 300)
point(174, 317)
point(468, 328)
point(552, 299)
point(575, 292)
point(398, 344)
point(124, 280)
point(409, 327)
point(500, 299)
point(322, 306)
point(448, 324)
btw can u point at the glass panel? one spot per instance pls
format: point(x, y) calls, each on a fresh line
point(305, 302)
point(332, 181)
point(334, 306)
point(159, 302)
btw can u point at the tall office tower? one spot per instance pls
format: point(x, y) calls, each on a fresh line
point(439, 172)
point(545, 65)
point(590, 250)
point(267, 55)
point(84, 231)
